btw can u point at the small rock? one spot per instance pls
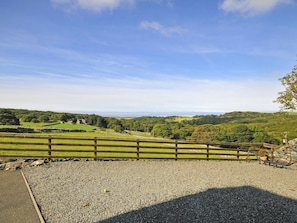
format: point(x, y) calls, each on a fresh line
point(86, 204)
point(293, 166)
point(7, 160)
point(13, 165)
point(2, 166)
point(37, 163)
point(26, 160)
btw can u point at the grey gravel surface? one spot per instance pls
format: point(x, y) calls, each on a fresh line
point(164, 191)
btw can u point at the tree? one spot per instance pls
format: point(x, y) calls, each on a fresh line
point(44, 118)
point(241, 133)
point(183, 132)
point(92, 119)
point(162, 130)
point(8, 118)
point(288, 98)
point(101, 122)
point(207, 132)
point(115, 124)
point(65, 117)
point(28, 117)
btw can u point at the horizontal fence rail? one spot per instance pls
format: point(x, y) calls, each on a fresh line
point(99, 148)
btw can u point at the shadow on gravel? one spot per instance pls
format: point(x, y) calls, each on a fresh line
point(235, 204)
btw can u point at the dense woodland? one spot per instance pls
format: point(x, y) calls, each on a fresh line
point(228, 127)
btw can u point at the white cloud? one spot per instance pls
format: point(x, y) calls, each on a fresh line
point(166, 31)
point(251, 7)
point(93, 5)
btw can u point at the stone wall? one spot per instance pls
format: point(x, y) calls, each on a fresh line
point(287, 153)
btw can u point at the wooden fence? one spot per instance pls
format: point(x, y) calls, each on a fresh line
point(99, 148)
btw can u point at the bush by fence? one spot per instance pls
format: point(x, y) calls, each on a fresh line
point(17, 130)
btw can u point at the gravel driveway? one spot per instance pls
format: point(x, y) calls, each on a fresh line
point(164, 191)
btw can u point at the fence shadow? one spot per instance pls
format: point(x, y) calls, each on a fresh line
point(234, 204)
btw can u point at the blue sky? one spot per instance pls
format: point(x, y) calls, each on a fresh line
point(145, 55)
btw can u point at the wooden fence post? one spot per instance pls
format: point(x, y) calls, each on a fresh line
point(137, 149)
point(272, 156)
point(49, 148)
point(207, 152)
point(176, 150)
point(248, 156)
point(95, 148)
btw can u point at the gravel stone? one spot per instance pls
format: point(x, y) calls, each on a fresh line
point(164, 191)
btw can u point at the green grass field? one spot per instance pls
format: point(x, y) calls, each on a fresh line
point(86, 145)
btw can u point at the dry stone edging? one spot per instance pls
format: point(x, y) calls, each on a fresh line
point(19, 163)
point(7, 163)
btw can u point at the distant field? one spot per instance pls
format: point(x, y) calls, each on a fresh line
point(182, 118)
point(57, 125)
point(92, 131)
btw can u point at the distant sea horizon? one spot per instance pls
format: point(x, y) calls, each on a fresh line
point(132, 114)
point(141, 114)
